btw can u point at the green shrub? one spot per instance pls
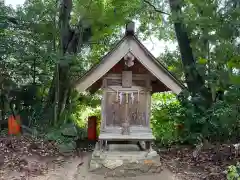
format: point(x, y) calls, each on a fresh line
point(189, 122)
point(165, 118)
point(233, 172)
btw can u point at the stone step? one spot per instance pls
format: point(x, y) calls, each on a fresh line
point(123, 147)
point(122, 156)
point(132, 160)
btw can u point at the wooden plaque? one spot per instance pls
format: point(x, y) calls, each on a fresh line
point(127, 79)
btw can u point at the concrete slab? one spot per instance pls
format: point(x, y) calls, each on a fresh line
point(123, 147)
point(146, 136)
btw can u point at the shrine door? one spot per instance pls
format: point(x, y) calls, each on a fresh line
point(126, 106)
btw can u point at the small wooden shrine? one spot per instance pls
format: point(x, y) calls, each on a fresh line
point(128, 75)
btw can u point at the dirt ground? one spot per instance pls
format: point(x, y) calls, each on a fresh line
point(71, 168)
point(24, 158)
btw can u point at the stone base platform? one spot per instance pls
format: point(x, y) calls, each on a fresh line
point(124, 160)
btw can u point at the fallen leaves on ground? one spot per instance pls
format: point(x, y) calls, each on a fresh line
point(25, 154)
point(210, 164)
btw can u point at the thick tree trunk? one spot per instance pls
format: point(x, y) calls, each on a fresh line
point(70, 41)
point(61, 79)
point(195, 82)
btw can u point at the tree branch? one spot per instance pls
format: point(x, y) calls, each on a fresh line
point(155, 9)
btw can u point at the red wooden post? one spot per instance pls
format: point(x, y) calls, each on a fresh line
point(14, 125)
point(92, 128)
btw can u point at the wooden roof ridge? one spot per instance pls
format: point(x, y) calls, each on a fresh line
point(158, 63)
point(145, 50)
point(102, 60)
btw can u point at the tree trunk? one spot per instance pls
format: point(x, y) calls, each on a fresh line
point(195, 82)
point(56, 95)
point(70, 41)
point(2, 106)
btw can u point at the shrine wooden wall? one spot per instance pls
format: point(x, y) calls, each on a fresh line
point(114, 111)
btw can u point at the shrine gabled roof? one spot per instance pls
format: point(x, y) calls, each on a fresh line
point(129, 44)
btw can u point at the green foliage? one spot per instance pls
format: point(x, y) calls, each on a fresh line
point(4, 132)
point(83, 106)
point(65, 134)
point(233, 172)
point(175, 122)
point(219, 122)
point(165, 118)
point(55, 134)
